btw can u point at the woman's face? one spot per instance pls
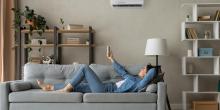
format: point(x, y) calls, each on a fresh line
point(143, 72)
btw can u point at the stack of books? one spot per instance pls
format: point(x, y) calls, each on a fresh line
point(74, 26)
point(36, 60)
point(73, 40)
point(217, 15)
point(191, 33)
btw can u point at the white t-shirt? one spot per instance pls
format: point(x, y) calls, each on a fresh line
point(119, 83)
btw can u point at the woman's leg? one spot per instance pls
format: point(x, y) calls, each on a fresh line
point(85, 72)
point(89, 75)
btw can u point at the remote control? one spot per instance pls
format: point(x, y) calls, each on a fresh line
point(108, 51)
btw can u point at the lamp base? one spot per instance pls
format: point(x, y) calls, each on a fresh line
point(167, 98)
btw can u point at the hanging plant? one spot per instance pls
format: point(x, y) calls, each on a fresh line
point(32, 20)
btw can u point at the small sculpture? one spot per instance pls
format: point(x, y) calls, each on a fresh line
point(48, 59)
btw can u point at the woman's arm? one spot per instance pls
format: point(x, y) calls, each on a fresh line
point(119, 69)
point(147, 78)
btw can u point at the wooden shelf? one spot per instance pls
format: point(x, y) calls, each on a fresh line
point(203, 57)
point(43, 45)
point(206, 92)
point(82, 30)
point(208, 4)
point(75, 45)
point(201, 39)
point(201, 74)
point(201, 4)
point(35, 31)
point(201, 22)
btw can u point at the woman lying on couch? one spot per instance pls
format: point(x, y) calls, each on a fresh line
point(129, 83)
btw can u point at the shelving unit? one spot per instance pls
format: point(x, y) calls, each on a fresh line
point(56, 45)
point(212, 69)
point(59, 45)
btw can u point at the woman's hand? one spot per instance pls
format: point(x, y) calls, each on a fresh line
point(109, 56)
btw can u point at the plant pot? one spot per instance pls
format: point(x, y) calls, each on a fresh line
point(30, 22)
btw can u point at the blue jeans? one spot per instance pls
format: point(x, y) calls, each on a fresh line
point(94, 84)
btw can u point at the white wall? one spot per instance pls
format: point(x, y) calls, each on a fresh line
point(126, 30)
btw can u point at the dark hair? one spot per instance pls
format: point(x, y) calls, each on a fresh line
point(149, 66)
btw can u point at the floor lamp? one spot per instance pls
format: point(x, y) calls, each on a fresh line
point(157, 47)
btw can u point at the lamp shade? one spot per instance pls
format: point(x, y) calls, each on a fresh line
point(156, 46)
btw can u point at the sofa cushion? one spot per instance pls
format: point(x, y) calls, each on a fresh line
point(134, 69)
point(120, 97)
point(37, 95)
point(52, 73)
point(104, 72)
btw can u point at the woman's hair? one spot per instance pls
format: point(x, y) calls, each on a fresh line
point(149, 66)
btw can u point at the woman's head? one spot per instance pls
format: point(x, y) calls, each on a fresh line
point(144, 70)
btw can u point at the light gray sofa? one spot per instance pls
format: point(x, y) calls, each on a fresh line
point(32, 98)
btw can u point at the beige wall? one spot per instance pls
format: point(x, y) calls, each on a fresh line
point(126, 30)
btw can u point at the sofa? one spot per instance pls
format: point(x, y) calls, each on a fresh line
point(26, 95)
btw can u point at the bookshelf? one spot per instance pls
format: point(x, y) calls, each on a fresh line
point(56, 45)
point(192, 66)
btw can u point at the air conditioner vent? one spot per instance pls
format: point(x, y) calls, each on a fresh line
point(127, 3)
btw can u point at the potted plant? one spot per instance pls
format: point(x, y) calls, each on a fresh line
point(32, 20)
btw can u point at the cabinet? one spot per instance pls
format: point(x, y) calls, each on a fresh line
point(56, 34)
point(204, 70)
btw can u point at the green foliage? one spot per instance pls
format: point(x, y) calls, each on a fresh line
point(33, 21)
point(61, 21)
point(29, 13)
point(29, 49)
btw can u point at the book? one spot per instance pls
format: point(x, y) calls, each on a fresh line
point(186, 34)
point(193, 32)
point(217, 15)
point(73, 40)
point(189, 33)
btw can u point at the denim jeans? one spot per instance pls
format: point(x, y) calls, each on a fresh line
point(94, 84)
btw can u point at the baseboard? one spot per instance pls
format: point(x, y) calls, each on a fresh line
point(176, 106)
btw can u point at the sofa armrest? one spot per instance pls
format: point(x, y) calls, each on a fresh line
point(4, 92)
point(161, 96)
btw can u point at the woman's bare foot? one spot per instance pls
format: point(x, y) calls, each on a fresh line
point(67, 88)
point(45, 87)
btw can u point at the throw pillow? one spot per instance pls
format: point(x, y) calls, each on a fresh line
point(151, 88)
point(158, 78)
point(20, 86)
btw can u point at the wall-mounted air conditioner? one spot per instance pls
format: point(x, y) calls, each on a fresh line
point(127, 3)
